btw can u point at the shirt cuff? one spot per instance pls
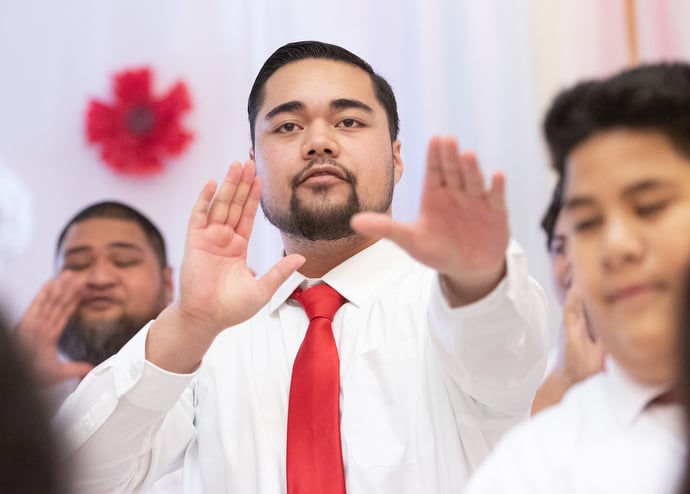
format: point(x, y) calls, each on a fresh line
point(142, 383)
point(514, 283)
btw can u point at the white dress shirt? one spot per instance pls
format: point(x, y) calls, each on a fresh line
point(603, 437)
point(426, 390)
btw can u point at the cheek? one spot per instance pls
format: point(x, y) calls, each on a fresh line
point(275, 178)
point(143, 289)
point(585, 273)
point(560, 267)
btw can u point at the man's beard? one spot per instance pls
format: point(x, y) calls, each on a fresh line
point(331, 222)
point(96, 341)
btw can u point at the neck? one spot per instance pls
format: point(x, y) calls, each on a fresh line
point(323, 255)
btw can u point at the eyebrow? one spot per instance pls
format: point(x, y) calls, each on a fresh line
point(345, 103)
point(290, 106)
point(645, 185)
point(117, 245)
point(337, 104)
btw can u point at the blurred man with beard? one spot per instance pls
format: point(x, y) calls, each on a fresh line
point(112, 278)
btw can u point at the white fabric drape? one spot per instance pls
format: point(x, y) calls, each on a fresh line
point(480, 70)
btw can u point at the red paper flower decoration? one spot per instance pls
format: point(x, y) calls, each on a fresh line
point(138, 130)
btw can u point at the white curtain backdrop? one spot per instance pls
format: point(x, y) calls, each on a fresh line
point(481, 70)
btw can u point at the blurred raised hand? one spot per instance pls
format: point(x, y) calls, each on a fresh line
point(462, 229)
point(40, 327)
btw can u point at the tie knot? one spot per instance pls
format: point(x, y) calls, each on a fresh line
point(319, 301)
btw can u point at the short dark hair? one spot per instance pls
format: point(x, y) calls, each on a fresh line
point(300, 50)
point(548, 221)
point(653, 97)
point(119, 211)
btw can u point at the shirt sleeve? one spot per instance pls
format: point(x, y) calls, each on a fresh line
point(494, 350)
point(516, 466)
point(128, 421)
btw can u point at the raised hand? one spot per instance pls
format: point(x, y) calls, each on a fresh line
point(462, 228)
point(217, 288)
point(40, 328)
point(583, 354)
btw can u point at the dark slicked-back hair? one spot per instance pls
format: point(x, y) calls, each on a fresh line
point(548, 221)
point(653, 97)
point(301, 50)
point(120, 211)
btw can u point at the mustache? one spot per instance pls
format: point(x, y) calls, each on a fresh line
point(322, 161)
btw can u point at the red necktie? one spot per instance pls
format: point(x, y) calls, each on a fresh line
point(314, 454)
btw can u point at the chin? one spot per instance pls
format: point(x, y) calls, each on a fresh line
point(654, 369)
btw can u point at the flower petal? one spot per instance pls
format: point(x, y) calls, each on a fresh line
point(133, 87)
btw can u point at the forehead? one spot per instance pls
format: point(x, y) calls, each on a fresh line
point(98, 233)
point(611, 162)
point(314, 80)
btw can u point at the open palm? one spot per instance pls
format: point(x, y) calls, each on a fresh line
point(217, 288)
point(462, 228)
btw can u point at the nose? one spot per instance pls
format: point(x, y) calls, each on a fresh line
point(101, 275)
point(622, 243)
point(320, 140)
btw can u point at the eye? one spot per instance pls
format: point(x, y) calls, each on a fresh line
point(74, 266)
point(350, 123)
point(125, 263)
point(650, 209)
point(581, 226)
point(287, 128)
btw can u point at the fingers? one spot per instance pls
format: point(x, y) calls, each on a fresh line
point(243, 201)
point(473, 177)
point(223, 201)
point(444, 163)
point(452, 164)
point(497, 192)
point(382, 225)
point(280, 272)
point(448, 167)
point(246, 221)
point(372, 224)
point(51, 308)
point(235, 199)
point(434, 169)
point(198, 218)
point(63, 298)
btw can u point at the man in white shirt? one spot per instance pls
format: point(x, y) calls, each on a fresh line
point(622, 147)
point(112, 276)
point(441, 341)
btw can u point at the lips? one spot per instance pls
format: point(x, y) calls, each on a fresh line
point(632, 292)
point(321, 171)
point(98, 302)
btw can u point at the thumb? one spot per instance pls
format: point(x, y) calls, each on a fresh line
point(280, 272)
point(383, 226)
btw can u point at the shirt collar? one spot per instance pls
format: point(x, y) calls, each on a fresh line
point(351, 278)
point(628, 396)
